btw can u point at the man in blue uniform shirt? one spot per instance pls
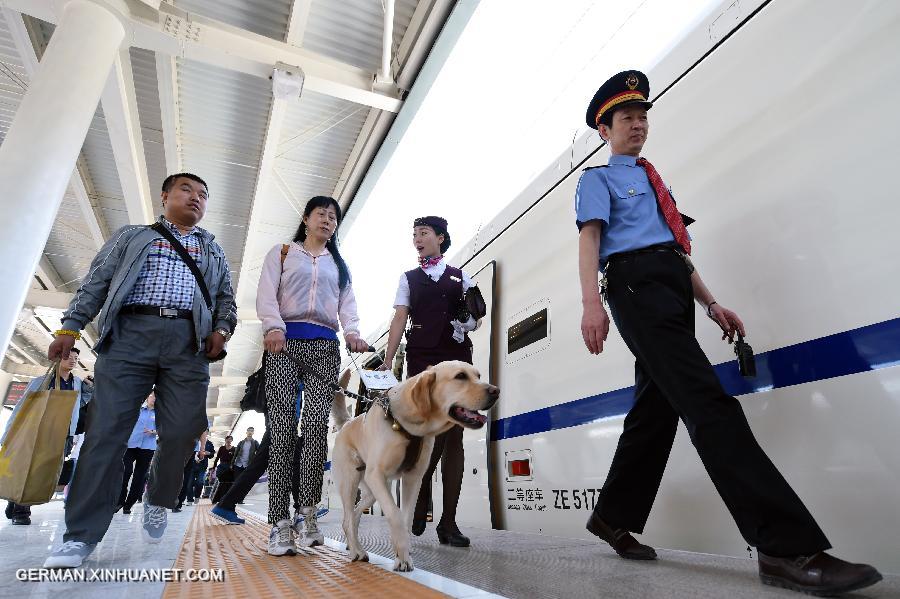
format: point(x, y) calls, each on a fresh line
point(629, 228)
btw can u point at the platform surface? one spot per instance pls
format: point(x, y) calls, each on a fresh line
point(498, 564)
point(526, 566)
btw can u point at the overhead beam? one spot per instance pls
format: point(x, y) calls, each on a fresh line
point(24, 353)
point(23, 369)
point(299, 19)
point(170, 110)
point(120, 110)
point(176, 32)
point(76, 185)
point(39, 298)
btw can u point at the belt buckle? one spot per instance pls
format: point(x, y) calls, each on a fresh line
point(168, 312)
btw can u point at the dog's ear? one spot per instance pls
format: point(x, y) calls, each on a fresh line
point(421, 393)
point(345, 379)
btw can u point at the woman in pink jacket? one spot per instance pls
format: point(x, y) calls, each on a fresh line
point(304, 291)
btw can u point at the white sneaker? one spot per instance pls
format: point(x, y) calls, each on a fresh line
point(154, 523)
point(312, 536)
point(281, 540)
point(297, 526)
point(69, 555)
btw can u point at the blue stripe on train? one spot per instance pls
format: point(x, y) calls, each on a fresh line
point(867, 348)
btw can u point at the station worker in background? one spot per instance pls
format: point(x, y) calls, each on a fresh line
point(630, 228)
point(141, 447)
point(428, 296)
point(304, 290)
point(21, 514)
point(156, 331)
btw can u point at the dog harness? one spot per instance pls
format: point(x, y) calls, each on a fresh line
point(414, 445)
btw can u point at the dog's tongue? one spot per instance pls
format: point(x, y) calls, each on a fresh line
point(469, 415)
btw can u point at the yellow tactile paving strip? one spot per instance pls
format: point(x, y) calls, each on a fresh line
point(251, 572)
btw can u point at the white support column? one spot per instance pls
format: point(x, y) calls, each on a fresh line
point(40, 149)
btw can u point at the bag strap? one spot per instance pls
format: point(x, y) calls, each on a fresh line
point(187, 259)
point(51, 375)
point(285, 248)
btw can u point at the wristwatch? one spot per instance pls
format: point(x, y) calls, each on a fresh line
point(225, 333)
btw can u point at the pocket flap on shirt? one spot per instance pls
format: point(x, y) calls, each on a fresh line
point(629, 190)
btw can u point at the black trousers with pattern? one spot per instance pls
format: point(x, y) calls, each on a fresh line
point(322, 356)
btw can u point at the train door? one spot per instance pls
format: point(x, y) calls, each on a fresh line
point(474, 499)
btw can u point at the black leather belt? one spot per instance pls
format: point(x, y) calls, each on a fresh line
point(651, 250)
point(647, 250)
point(160, 311)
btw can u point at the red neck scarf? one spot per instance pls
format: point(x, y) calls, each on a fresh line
point(430, 261)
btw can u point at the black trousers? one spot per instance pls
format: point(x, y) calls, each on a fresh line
point(448, 446)
point(652, 304)
point(187, 481)
point(136, 463)
point(245, 479)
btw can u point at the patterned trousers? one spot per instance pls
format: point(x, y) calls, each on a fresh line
point(322, 356)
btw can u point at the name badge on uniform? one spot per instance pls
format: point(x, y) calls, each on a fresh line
point(457, 279)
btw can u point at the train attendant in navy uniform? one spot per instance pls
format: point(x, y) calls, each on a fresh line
point(428, 296)
point(629, 228)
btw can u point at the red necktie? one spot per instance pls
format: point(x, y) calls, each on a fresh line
point(667, 205)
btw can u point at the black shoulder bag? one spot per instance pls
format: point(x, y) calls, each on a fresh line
point(255, 391)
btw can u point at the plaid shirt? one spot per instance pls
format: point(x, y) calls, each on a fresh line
point(165, 280)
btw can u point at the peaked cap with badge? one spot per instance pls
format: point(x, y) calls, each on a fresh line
point(627, 87)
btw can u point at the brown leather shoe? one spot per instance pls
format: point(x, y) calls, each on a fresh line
point(820, 574)
point(620, 540)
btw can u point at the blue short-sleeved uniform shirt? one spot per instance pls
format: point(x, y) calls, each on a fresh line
point(621, 196)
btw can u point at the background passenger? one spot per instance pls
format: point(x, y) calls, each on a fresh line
point(246, 449)
point(304, 290)
point(141, 446)
point(428, 296)
point(224, 457)
point(21, 514)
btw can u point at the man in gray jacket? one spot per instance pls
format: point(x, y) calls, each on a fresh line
point(157, 328)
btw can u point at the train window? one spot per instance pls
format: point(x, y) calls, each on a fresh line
point(525, 332)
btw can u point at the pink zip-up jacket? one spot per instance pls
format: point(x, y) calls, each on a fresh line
point(308, 291)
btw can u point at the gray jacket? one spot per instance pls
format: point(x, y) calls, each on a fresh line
point(115, 270)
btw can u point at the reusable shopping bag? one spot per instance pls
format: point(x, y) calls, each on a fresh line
point(32, 455)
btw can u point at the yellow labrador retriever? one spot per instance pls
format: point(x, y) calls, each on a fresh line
point(394, 440)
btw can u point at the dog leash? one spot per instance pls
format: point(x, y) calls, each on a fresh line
point(333, 386)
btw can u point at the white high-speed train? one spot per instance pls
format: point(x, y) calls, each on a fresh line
point(776, 124)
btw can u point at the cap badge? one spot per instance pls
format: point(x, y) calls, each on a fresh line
point(632, 81)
